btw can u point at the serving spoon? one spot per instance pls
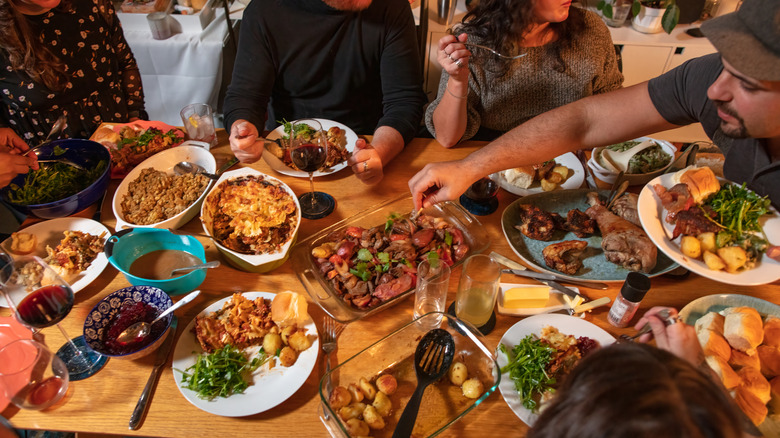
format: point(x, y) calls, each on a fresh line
point(209, 265)
point(138, 331)
point(59, 125)
point(185, 167)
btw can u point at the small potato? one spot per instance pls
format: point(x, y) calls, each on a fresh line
point(690, 247)
point(372, 418)
point(472, 388)
point(355, 410)
point(734, 257)
point(707, 241)
point(357, 394)
point(548, 185)
point(272, 343)
point(287, 357)
point(339, 398)
point(563, 171)
point(387, 384)
point(713, 261)
point(458, 373)
point(382, 404)
point(299, 341)
point(357, 427)
point(286, 332)
point(368, 389)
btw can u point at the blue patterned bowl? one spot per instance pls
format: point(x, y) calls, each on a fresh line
point(102, 314)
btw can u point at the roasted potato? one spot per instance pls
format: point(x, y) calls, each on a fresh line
point(458, 373)
point(272, 342)
point(734, 257)
point(472, 388)
point(286, 332)
point(562, 171)
point(382, 404)
point(548, 185)
point(299, 341)
point(357, 394)
point(368, 389)
point(713, 261)
point(287, 357)
point(339, 398)
point(372, 418)
point(707, 241)
point(387, 384)
point(357, 427)
point(355, 410)
point(690, 247)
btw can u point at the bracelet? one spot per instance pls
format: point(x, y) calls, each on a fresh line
point(447, 87)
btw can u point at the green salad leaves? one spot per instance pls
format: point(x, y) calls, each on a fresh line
point(738, 211)
point(224, 372)
point(528, 369)
point(53, 182)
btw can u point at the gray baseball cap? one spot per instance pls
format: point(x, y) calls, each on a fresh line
point(749, 39)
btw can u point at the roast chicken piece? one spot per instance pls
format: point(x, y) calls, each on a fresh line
point(536, 223)
point(693, 222)
point(565, 256)
point(579, 223)
point(625, 207)
point(623, 243)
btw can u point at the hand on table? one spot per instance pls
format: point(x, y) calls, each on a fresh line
point(453, 56)
point(678, 337)
point(366, 162)
point(15, 156)
point(439, 182)
point(245, 141)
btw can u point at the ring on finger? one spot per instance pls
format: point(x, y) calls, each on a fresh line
point(365, 166)
point(449, 55)
point(671, 320)
point(459, 63)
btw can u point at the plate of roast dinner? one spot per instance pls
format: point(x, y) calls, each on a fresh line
point(570, 233)
point(341, 143)
point(713, 227)
point(269, 339)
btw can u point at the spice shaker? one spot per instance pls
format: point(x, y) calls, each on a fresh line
point(625, 304)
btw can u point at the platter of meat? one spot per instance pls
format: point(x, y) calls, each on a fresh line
point(570, 234)
point(368, 262)
point(690, 223)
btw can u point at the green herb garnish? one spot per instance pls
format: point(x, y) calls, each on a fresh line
point(224, 372)
point(527, 367)
point(364, 255)
point(53, 182)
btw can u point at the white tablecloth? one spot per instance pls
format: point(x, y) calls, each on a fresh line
point(183, 69)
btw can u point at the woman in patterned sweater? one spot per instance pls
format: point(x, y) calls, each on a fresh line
point(568, 55)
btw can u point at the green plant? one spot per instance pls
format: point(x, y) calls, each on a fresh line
point(671, 15)
point(605, 6)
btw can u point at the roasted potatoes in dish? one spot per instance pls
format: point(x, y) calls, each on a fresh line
point(382, 404)
point(707, 241)
point(705, 247)
point(357, 427)
point(690, 247)
point(357, 394)
point(386, 383)
point(339, 398)
point(734, 257)
point(368, 389)
point(713, 261)
point(372, 418)
point(458, 373)
point(472, 388)
point(359, 417)
point(298, 341)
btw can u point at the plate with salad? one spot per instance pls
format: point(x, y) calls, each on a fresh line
point(342, 138)
point(744, 219)
point(524, 359)
point(264, 382)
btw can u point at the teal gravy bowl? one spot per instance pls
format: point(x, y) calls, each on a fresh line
point(125, 246)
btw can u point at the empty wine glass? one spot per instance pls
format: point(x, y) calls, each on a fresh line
point(40, 298)
point(309, 151)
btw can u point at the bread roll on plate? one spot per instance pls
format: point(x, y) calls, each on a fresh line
point(289, 308)
point(701, 182)
point(750, 405)
point(739, 359)
point(710, 321)
point(521, 177)
point(774, 401)
point(772, 331)
point(743, 328)
point(755, 382)
point(714, 344)
point(727, 376)
point(770, 360)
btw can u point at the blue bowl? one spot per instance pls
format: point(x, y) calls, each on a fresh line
point(84, 152)
point(101, 315)
point(125, 246)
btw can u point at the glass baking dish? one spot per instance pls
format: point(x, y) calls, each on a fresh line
point(322, 293)
point(443, 403)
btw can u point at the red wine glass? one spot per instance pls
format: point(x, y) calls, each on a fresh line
point(309, 152)
point(40, 298)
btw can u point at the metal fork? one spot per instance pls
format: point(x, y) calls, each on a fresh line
point(500, 55)
point(664, 314)
point(331, 329)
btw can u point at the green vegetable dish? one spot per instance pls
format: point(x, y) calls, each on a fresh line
point(53, 182)
point(224, 372)
point(648, 160)
point(737, 212)
point(528, 369)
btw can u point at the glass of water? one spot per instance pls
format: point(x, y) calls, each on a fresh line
point(433, 280)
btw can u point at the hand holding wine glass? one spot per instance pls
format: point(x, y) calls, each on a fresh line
point(41, 298)
point(309, 151)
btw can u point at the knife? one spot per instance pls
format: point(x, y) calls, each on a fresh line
point(230, 163)
point(563, 289)
point(146, 395)
point(543, 276)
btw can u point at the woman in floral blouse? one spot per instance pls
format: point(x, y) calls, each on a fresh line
point(64, 57)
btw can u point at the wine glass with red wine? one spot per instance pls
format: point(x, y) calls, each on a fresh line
point(40, 298)
point(309, 151)
point(480, 198)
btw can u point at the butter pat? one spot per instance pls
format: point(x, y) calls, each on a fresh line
point(526, 297)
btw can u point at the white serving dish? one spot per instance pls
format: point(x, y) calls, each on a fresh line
point(609, 175)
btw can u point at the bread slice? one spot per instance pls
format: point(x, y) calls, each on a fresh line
point(770, 360)
point(23, 243)
point(743, 328)
point(714, 344)
point(755, 382)
point(710, 321)
point(739, 359)
point(521, 177)
point(750, 405)
point(772, 331)
point(727, 376)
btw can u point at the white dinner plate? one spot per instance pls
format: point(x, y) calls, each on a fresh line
point(50, 233)
point(554, 303)
point(566, 324)
point(651, 214)
point(270, 388)
point(279, 166)
point(573, 182)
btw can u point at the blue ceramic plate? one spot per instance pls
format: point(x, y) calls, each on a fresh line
point(595, 265)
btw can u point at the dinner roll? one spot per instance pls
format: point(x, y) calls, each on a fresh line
point(750, 405)
point(774, 401)
point(739, 359)
point(743, 328)
point(755, 382)
point(711, 321)
point(727, 376)
point(289, 308)
point(521, 177)
point(770, 360)
point(714, 344)
point(23, 243)
point(772, 331)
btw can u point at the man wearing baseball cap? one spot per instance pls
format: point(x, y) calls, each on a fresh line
point(734, 94)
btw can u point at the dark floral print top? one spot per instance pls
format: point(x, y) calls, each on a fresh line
point(104, 86)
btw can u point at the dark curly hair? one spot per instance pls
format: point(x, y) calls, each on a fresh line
point(25, 50)
point(503, 24)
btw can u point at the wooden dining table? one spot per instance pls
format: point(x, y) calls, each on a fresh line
point(102, 404)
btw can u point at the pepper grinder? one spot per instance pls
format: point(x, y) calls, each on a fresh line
point(624, 307)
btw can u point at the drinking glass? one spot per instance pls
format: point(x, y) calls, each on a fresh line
point(309, 151)
point(40, 298)
point(433, 279)
point(198, 121)
point(481, 197)
point(477, 290)
point(31, 375)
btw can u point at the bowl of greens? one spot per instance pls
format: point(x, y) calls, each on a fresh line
point(642, 167)
point(57, 189)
